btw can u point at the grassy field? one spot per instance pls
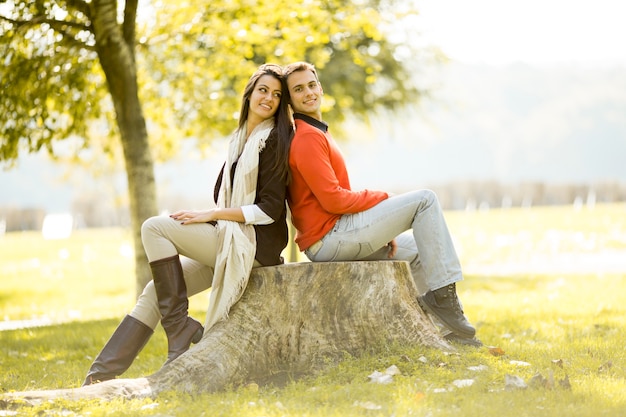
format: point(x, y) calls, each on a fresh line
point(546, 288)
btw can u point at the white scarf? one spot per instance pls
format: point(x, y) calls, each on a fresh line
point(236, 241)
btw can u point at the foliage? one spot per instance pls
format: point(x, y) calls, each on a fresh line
point(188, 61)
point(212, 47)
point(193, 60)
point(49, 87)
point(568, 328)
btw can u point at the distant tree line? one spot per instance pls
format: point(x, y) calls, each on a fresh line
point(90, 212)
point(468, 195)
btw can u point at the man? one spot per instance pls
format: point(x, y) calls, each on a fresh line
point(334, 223)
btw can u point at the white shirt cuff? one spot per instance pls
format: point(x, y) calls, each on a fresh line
point(254, 215)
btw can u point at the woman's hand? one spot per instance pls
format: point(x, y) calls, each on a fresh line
point(194, 216)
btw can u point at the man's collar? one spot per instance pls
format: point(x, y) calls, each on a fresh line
point(312, 121)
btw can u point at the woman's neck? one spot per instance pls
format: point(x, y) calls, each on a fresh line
point(252, 124)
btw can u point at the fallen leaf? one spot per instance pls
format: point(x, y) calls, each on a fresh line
point(380, 378)
point(384, 377)
point(393, 370)
point(558, 362)
point(496, 351)
point(462, 383)
point(368, 405)
point(605, 366)
point(537, 381)
point(514, 382)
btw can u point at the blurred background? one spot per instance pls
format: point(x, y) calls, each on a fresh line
point(526, 106)
point(493, 104)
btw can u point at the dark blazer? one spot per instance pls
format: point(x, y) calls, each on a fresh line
point(271, 191)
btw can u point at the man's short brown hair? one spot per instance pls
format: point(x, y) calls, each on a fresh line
point(299, 66)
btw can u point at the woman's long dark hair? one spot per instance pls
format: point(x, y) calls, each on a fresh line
point(283, 131)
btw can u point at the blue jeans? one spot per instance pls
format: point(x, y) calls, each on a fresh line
point(415, 220)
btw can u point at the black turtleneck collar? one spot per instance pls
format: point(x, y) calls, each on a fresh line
point(312, 121)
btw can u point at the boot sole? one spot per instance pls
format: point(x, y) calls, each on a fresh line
point(463, 340)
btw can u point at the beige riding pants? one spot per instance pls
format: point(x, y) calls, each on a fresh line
point(164, 237)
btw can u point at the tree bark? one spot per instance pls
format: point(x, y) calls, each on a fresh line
point(292, 320)
point(115, 46)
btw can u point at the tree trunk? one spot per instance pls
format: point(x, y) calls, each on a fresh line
point(292, 320)
point(115, 45)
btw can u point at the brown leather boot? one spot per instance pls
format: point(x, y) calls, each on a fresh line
point(181, 330)
point(119, 352)
point(445, 305)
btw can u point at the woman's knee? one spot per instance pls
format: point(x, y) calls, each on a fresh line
point(151, 224)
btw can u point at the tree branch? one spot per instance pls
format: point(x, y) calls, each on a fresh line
point(130, 17)
point(39, 20)
point(60, 26)
point(81, 6)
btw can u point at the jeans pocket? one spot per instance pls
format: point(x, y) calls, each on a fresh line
point(352, 251)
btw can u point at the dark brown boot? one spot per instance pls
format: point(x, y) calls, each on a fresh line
point(119, 352)
point(181, 330)
point(444, 304)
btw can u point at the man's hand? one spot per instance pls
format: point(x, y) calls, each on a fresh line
point(393, 248)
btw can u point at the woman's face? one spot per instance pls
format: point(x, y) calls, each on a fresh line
point(265, 98)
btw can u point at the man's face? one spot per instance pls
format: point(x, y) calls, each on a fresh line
point(306, 93)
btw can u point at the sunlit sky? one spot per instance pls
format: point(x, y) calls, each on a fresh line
point(497, 32)
point(538, 32)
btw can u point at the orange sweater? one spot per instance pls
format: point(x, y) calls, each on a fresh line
point(319, 192)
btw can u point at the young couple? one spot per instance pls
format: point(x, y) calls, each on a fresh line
point(267, 164)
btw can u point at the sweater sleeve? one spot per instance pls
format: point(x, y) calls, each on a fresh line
point(322, 167)
point(271, 186)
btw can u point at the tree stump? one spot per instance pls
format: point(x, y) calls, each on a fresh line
point(291, 320)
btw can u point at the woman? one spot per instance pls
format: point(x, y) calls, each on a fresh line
point(220, 246)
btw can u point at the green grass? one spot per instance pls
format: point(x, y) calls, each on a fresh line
point(566, 326)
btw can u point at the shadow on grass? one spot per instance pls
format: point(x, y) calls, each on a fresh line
point(59, 356)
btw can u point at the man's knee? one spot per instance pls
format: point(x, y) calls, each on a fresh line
point(428, 194)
